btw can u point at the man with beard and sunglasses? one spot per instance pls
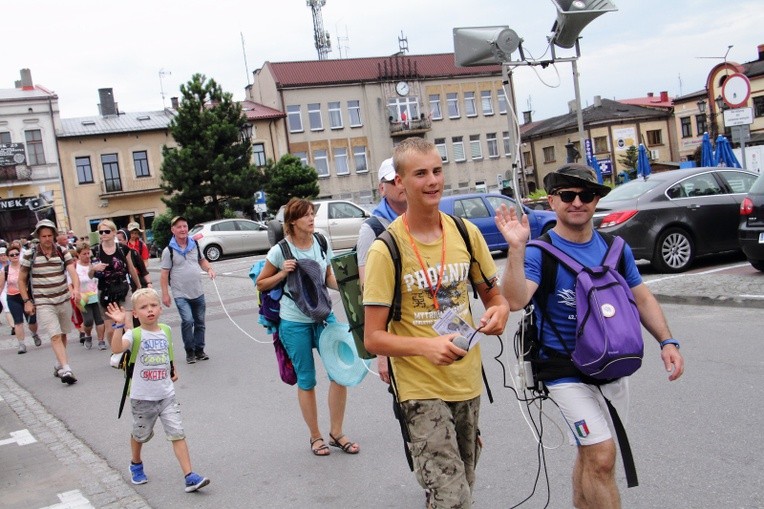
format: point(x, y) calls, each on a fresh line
point(573, 194)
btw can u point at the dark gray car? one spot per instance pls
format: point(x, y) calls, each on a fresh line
point(674, 216)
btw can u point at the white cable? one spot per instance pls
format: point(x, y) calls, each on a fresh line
point(232, 320)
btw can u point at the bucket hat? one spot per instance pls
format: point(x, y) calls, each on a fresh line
point(574, 175)
point(44, 223)
point(339, 355)
point(134, 226)
point(308, 290)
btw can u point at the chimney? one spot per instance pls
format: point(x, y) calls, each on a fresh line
point(664, 96)
point(26, 80)
point(760, 47)
point(527, 117)
point(650, 94)
point(174, 103)
point(572, 106)
point(107, 106)
point(597, 101)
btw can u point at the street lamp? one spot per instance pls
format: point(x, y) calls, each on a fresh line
point(246, 132)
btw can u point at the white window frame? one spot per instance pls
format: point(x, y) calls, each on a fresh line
point(340, 156)
point(335, 115)
point(354, 113)
point(486, 102)
point(458, 145)
point(436, 113)
point(321, 163)
point(440, 144)
point(493, 145)
point(359, 154)
point(502, 97)
point(452, 103)
point(507, 146)
point(294, 114)
point(470, 107)
point(302, 156)
point(314, 113)
point(476, 150)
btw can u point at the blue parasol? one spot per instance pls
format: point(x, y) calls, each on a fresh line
point(596, 167)
point(724, 154)
point(643, 163)
point(706, 152)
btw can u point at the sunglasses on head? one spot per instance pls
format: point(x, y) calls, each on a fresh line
point(104, 232)
point(586, 196)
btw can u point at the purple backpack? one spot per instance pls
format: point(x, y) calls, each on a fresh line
point(608, 332)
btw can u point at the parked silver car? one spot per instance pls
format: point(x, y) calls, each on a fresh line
point(229, 237)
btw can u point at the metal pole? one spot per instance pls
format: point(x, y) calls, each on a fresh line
point(579, 113)
point(513, 141)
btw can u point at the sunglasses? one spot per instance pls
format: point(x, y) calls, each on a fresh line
point(586, 196)
point(13, 255)
point(104, 232)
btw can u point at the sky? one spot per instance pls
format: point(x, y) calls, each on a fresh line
point(76, 47)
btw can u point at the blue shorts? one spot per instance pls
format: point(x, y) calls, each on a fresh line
point(299, 341)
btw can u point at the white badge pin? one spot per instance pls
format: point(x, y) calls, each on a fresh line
point(608, 310)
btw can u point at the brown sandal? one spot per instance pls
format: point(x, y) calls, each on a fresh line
point(347, 447)
point(319, 451)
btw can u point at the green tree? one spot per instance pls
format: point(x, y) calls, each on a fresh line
point(160, 228)
point(288, 178)
point(210, 173)
point(630, 158)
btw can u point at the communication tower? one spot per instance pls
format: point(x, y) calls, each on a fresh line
point(320, 36)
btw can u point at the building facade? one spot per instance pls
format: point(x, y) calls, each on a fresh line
point(343, 117)
point(30, 176)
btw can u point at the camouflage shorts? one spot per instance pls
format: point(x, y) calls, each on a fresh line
point(445, 448)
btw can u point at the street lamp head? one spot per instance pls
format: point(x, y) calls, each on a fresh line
point(720, 104)
point(702, 106)
point(573, 16)
point(246, 132)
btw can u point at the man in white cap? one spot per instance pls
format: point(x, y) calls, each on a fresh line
point(392, 205)
point(135, 242)
point(47, 266)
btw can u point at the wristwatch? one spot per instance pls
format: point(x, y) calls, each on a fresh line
point(27, 300)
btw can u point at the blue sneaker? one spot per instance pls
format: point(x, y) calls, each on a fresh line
point(195, 481)
point(137, 475)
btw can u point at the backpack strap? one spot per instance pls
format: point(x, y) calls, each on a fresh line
point(129, 368)
point(323, 244)
point(395, 255)
point(376, 225)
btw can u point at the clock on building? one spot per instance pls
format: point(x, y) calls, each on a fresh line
point(402, 88)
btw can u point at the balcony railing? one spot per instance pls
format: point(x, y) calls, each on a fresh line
point(126, 187)
point(410, 127)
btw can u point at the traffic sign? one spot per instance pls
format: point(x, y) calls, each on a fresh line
point(736, 90)
point(740, 133)
point(738, 116)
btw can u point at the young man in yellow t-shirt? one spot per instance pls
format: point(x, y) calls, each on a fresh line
point(440, 398)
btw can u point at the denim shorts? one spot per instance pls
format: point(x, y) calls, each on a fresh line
point(299, 340)
point(145, 415)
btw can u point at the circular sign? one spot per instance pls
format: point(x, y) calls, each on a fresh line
point(736, 90)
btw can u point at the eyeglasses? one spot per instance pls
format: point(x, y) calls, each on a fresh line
point(104, 232)
point(14, 255)
point(586, 196)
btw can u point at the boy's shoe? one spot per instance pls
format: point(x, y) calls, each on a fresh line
point(136, 474)
point(37, 340)
point(190, 358)
point(82, 338)
point(22, 348)
point(56, 369)
point(67, 377)
point(201, 356)
point(87, 341)
point(195, 481)
point(102, 345)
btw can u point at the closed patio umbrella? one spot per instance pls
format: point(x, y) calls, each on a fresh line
point(707, 152)
point(724, 154)
point(643, 163)
point(596, 167)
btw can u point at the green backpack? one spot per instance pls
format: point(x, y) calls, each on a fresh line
point(127, 361)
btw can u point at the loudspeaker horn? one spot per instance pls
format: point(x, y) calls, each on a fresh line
point(484, 45)
point(573, 16)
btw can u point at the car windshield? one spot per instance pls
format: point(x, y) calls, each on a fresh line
point(631, 190)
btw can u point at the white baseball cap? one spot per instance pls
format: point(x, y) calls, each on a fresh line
point(386, 171)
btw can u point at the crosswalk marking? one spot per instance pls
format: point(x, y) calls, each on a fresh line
point(71, 500)
point(21, 437)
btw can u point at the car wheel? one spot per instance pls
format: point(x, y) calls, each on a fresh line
point(757, 264)
point(275, 231)
point(213, 252)
point(674, 251)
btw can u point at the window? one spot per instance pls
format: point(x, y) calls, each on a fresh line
point(600, 144)
point(35, 152)
point(737, 181)
point(344, 211)
point(314, 117)
point(403, 109)
point(435, 111)
point(700, 124)
point(360, 160)
point(469, 104)
point(224, 226)
point(341, 161)
point(471, 208)
point(84, 170)
point(321, 163)
point(527, 160)
point(258, 154)
point(335, 115)
point(141, 164)
point(440, 144)
point(502, 101)
point(700, 185)
point(302, 156)
point(452, 101)
point(486, 102)
point(458, 148)
point(354, 112)
point(476, 150)
point(111, 178)
point(507, 147)
point(758, 106)
point(548, 154)
point(5, 137)
point(655, 137)
point(686, 123)
point(294, 118)
point(493, 145)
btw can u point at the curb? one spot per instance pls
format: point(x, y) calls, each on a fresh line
point(701, 300)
